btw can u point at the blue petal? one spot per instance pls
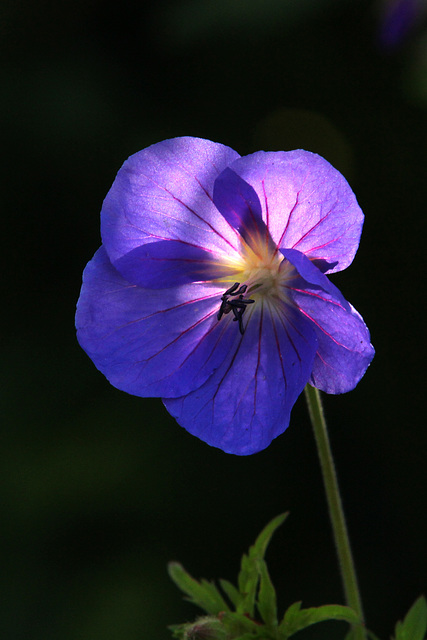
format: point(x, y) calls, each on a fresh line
point(149, 342)
point(164, 192)
point(312, 274)
point(248, 400)
point(238, 202)
point(344, 350)
point(170, 263)
point(306, 203)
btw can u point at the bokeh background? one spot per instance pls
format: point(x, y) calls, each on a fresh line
point(100, 490)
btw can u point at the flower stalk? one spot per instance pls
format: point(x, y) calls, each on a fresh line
point(336, 512)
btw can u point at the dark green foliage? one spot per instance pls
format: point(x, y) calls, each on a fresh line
point(204, 594)
point(254, 602)
point(414, 626)
point(253, 615)
point(296, 619)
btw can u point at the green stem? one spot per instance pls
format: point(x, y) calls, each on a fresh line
point(336, 513)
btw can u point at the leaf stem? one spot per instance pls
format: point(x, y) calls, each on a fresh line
point(336, 512)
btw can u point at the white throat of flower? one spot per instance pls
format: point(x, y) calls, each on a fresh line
point(265, 272)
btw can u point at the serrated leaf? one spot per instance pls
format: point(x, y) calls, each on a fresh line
point(231, 591)
point(296, 619)
point(238, 624)
point(204, 594)
point(211, 589)
point(327, 612)
point(414, 625)
point(267, 605)
point(291, 614)
point(248, 582)
point(261, 543)
point(249, 574)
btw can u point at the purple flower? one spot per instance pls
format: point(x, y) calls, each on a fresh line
point(209, 289)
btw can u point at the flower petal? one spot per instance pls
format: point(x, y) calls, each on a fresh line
point(170, 263)
point(165, 193)
point(237, 201)
point(344, 350)
point(313, 275)
point(150, 342)
point(248, 400)
point(307, 204)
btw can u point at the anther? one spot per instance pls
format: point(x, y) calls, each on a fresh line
point(237, 306)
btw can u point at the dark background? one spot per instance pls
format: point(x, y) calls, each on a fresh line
point(99, 489)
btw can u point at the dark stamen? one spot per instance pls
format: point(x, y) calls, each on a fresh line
point(231, 290)
point(237, 306)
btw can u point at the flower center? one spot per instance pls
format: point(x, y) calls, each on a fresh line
point(264, 274)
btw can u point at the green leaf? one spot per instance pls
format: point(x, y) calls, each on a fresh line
point(249, 574)
point(204, 594)
point(259, 548)
point(414, 625)
point(248, 583)
point(267, 605)
point(290, 617)
point(231, 591)
point(238, 624)
point(296, 618)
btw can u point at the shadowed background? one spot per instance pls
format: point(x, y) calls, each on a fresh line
point(99, 489)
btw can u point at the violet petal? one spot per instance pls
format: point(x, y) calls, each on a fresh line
point(170, 263)
point(237, 201)
point(165, 193)
point(248, 401)
point(150, 342)
point(344, 350)
point(312, 274)
point(306, 204)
